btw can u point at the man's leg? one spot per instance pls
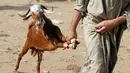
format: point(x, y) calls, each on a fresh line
point(118, 32)
point(96, 62)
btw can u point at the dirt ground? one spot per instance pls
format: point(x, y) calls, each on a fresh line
point(13, 32)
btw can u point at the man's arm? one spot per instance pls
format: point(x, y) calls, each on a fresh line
point(108, 25)
point(75, 20)
point(79, 9)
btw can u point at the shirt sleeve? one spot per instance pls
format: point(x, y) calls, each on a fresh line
point(126, 13)
point(81, 5)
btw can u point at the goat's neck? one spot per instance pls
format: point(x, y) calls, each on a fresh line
point(37, 22)
point(34, 21)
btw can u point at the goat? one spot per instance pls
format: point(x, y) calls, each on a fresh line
point(42, 35)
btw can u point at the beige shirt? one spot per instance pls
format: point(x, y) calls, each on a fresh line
point(105, 9)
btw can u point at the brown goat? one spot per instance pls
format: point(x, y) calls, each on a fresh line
point(46, 38)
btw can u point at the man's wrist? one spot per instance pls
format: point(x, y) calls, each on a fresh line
point(120, 20)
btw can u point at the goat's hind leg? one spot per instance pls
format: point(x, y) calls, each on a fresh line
point(39, 61)
point(24, 51)
point(33, 51)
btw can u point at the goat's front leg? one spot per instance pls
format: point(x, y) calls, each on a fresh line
point(24, 51)
point(39, 61)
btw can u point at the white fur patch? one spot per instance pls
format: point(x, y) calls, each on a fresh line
point(36, 8)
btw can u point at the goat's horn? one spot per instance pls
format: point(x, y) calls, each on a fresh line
point(23, 15)
point(27, 16)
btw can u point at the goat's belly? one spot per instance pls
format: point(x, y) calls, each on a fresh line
point(44, 49)
point(43, 46)
point(40, 40)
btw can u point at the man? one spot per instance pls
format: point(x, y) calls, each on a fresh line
point(104, 22)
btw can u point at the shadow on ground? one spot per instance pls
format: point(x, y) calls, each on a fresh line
point(8, 7)
point(4, 35)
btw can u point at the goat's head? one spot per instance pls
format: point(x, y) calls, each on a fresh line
point(37, 13)
point(35, 9)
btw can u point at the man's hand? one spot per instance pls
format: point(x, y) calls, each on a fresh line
point(72, 35)
point(108, 25)
point(105, 26)
point(73, 44)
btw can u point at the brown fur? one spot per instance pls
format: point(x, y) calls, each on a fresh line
point(48, 38)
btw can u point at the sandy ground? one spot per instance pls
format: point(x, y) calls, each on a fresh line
point(13, 32)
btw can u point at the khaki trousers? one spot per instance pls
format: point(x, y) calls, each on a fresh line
point(102, 47)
